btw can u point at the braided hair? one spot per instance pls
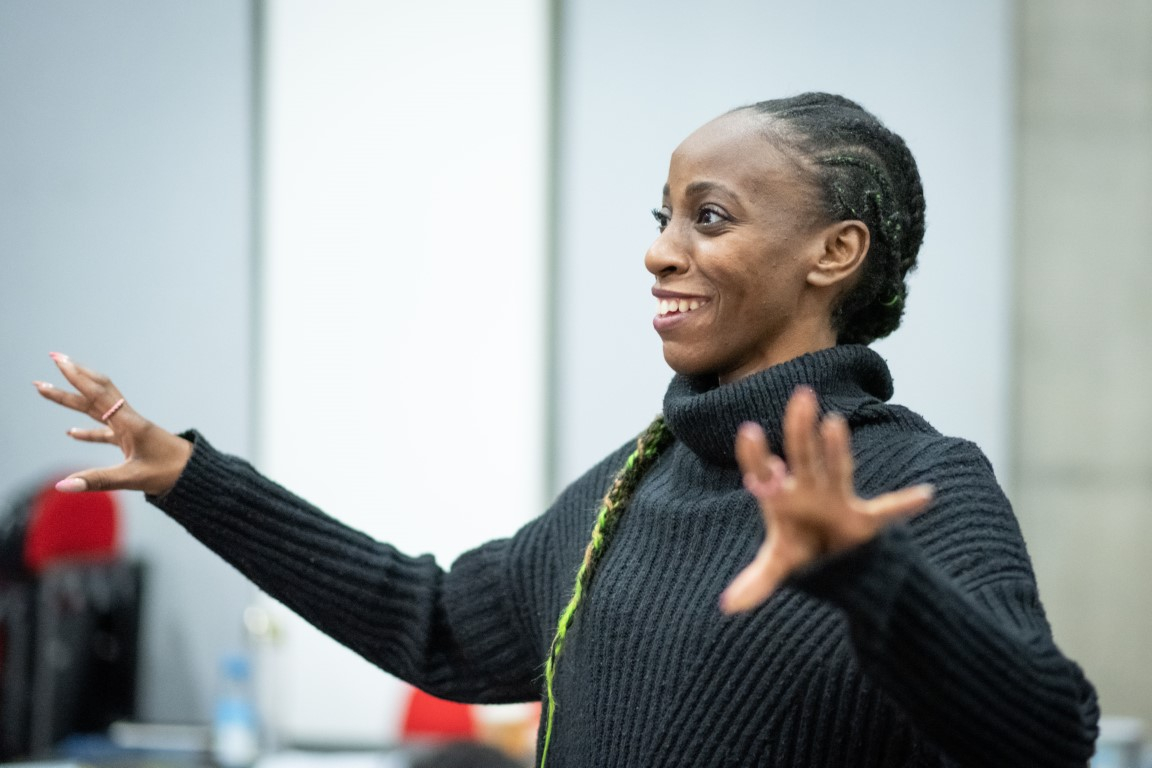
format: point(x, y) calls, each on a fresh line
point(861, 171)
point(648, 448)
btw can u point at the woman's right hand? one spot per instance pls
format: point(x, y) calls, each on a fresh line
point(153, 458)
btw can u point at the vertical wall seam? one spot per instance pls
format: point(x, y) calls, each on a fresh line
point(552, 249)
point(1015, 394)
point(256, 91)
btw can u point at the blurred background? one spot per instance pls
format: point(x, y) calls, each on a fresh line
point(392, 253)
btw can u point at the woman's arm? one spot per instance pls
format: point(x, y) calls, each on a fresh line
point(458, 634)
point(943, 612)
point(977, 671)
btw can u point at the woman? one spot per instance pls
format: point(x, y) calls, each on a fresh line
point(764, 585)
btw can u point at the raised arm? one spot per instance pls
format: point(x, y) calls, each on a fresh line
point(969, 659)
point(457, 633)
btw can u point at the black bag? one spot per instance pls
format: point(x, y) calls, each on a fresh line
point(69, 620)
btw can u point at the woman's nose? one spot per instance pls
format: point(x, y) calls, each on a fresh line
point(665, 256)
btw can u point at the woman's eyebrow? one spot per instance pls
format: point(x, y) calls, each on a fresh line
point(703, 187)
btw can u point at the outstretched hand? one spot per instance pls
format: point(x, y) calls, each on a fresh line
point(810, 507)
point(153, 458)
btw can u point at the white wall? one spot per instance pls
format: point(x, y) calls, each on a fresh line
point(402, 373)
point(634, 79)
point(404, 193)
point(124, 238)
point(637, 77)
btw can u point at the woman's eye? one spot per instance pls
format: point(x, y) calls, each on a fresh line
point(662, 217)
point(709, 216)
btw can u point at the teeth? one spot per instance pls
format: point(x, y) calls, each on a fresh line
point(667, 306)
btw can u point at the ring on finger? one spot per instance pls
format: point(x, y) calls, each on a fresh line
point(112, 411)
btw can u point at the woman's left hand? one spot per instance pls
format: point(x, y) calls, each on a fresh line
point(810, 507)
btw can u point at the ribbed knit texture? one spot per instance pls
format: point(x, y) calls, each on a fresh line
point(925, 647)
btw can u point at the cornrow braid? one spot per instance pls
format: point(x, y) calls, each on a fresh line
point(649, 446)
point(862, 171)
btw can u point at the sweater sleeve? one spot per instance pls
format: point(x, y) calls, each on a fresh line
point(453, 633)
point(946, 618)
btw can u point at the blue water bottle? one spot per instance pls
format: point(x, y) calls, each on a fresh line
point(235, 730)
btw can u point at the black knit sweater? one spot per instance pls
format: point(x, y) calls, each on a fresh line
point(927, 646)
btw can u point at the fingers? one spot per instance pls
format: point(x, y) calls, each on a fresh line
point(819, 450)
point(95, 386)
point(105, 479)
point(97, 379)
point(901, 504)
point(71, 371)
point(779, 472)
point(92, 435)
point(78, 376)
point(752, 451)
point(837, 448)
point(98, 396)
point(72, 485)
point(801, 444)
point(762, 470)
point(63, 397)
point(756, 583)
point(766, 485)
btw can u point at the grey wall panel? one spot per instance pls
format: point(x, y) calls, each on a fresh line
point(124, 241)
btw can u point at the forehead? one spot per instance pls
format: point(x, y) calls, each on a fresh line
point(735, 149)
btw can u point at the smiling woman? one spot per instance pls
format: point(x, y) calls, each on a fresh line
point(783, 570)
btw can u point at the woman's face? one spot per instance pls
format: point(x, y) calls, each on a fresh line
point(740, 236)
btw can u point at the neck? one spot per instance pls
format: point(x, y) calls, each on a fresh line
point(706, 416)
point(802, 338)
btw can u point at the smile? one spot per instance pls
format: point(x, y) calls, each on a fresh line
point(668, 306)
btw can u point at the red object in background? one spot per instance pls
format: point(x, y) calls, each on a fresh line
point(72, 526)
point(428, 718)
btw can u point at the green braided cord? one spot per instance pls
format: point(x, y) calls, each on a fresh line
point(648, 448)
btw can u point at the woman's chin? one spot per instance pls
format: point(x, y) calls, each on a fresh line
point(688, 365)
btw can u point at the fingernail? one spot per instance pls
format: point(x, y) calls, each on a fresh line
point(41, 385)
point(59, 357)
point(72, 485)
point(750, 428)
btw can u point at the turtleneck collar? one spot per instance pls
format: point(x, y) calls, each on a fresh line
point(705, 415)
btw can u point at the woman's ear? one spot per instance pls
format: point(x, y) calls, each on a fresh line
point(845, 246)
